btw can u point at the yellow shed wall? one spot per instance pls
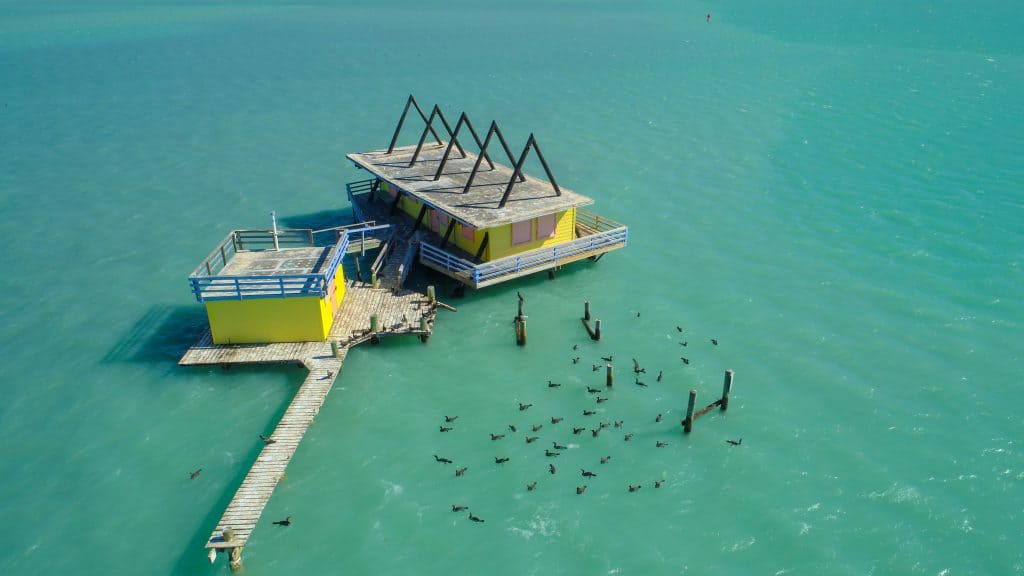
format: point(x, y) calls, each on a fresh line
point(305, 319)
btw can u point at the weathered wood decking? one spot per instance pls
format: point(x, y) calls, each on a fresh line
point(243, 512)
point(398, 312)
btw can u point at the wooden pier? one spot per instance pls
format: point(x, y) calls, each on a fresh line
point(365, 314)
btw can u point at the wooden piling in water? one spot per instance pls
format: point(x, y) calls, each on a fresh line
point(521, 330)
point(609, 377)
point(726, 388)
point(597, 329)
point(359, 273)
point(688, 422)
point(586, 309)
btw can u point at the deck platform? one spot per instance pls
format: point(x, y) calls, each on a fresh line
point(398, 312)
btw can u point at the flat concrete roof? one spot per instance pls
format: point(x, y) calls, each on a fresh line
point(277, 262)
point(479, 206)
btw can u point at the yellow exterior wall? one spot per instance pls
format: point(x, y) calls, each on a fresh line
point(500, 244)
point(304, 319)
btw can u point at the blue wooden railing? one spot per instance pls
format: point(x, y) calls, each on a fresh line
point(207, 284)
point(596, 234)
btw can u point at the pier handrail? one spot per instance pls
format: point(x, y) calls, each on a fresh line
point(448, 261)
point(532, 258)
point(608, 233)
point(382, 255)
point(208, 285)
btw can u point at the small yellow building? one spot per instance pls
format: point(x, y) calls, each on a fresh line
point(262, 286)
point(482, 222)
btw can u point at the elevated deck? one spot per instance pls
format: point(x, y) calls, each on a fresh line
point(595, 235)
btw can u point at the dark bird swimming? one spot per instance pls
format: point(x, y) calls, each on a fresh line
point(581, 489)
point(461, 471)
point(595, 432)
point(576, 360)
point(659, 376)
point(595, 367)
point(450, 419)
point(639, 383)
point(286, 522)
point(194, 474)
point(551, 454)
point(531, 439)
point(576, 430)
point(497, 436)
point(556, 419)
point(714, 342)
point(589, 412)
point(587, 473)
point(634, 488)
point(475, 518)
point(657, 418)
point(735, 442)
point(658, 483)
point(618, 423)
point(537, 427)
point(531, 486)
point(512, 427)
point(500, 460)
point(679, 328)
point(267, 439)
point(601, 400)
point(575, 346)
point(628, 437)
point(605, 459)
point(660, 444)
point(441, 459)
point(553, 384)
point(684, 359)
point(459, 508)
point(446, 428)
point(551, 468)
point(558, 446)
point(524, 407)
point(607, 358)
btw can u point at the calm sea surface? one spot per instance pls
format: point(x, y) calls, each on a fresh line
point(833, 192)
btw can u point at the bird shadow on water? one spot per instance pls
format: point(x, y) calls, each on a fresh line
point(162, 334)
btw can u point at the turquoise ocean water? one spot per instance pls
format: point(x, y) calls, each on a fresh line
point(834, 192)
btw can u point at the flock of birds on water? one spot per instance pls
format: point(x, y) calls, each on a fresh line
point(531, 432)
point(590, 423)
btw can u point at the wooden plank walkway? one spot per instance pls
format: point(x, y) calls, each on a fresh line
point(398, 311)
point(245, 509)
